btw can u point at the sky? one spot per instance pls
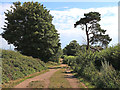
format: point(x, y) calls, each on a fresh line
point(66, 14)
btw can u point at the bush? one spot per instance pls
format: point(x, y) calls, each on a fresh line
point(108, 77)
point(15, 65)
point(65, 60)
point(95, 66)
point(112, 55)
point(69, 60)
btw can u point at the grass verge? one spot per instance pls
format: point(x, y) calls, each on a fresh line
point(58, 81)
point(52, 64)
point(86, 82)
point(13, 83)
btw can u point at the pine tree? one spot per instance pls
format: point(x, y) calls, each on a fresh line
point(94, 33)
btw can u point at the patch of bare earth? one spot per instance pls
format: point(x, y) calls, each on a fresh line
point(43, 77)
point(46, 78)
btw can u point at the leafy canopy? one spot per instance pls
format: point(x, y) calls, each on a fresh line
point(29, 28)
point(72, 49)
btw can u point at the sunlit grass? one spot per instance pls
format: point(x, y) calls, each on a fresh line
point(36, 84)
point(58, 81)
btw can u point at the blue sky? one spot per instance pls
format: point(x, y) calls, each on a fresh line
point(67, 13)
point(62, 0)
point(83, 5)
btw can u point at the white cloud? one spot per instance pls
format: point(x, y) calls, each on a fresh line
point(3, 8)
point(3, 42)
point(64, 22)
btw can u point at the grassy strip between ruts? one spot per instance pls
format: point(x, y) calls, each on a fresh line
point(13, 83)
point(36, 84)
point(58, 81)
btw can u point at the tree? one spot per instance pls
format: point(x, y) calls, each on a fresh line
point(94, 33)
point(72, 49)
point(29, 28)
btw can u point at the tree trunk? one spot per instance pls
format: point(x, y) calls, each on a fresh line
point(87, 38)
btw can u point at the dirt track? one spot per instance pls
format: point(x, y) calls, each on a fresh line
point(73, 81)
point(46, 76)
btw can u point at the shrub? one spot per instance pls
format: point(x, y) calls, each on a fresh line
point(69, 59)
point(16, 65)
point(65, 60)
point(112, 55)
point(108, 76)
point(95, 66)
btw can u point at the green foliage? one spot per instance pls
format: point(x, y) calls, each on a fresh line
point(29, 28)
point(108, 76)
point(68, 59)
point(15, 65)
point(65, 60)
point(72, 49)
point(94, 33)
point(112, 55)
point(95, 67)
point(51, 64)
point(57, 56)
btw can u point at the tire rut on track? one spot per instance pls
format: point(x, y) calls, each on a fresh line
point(74, 82)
